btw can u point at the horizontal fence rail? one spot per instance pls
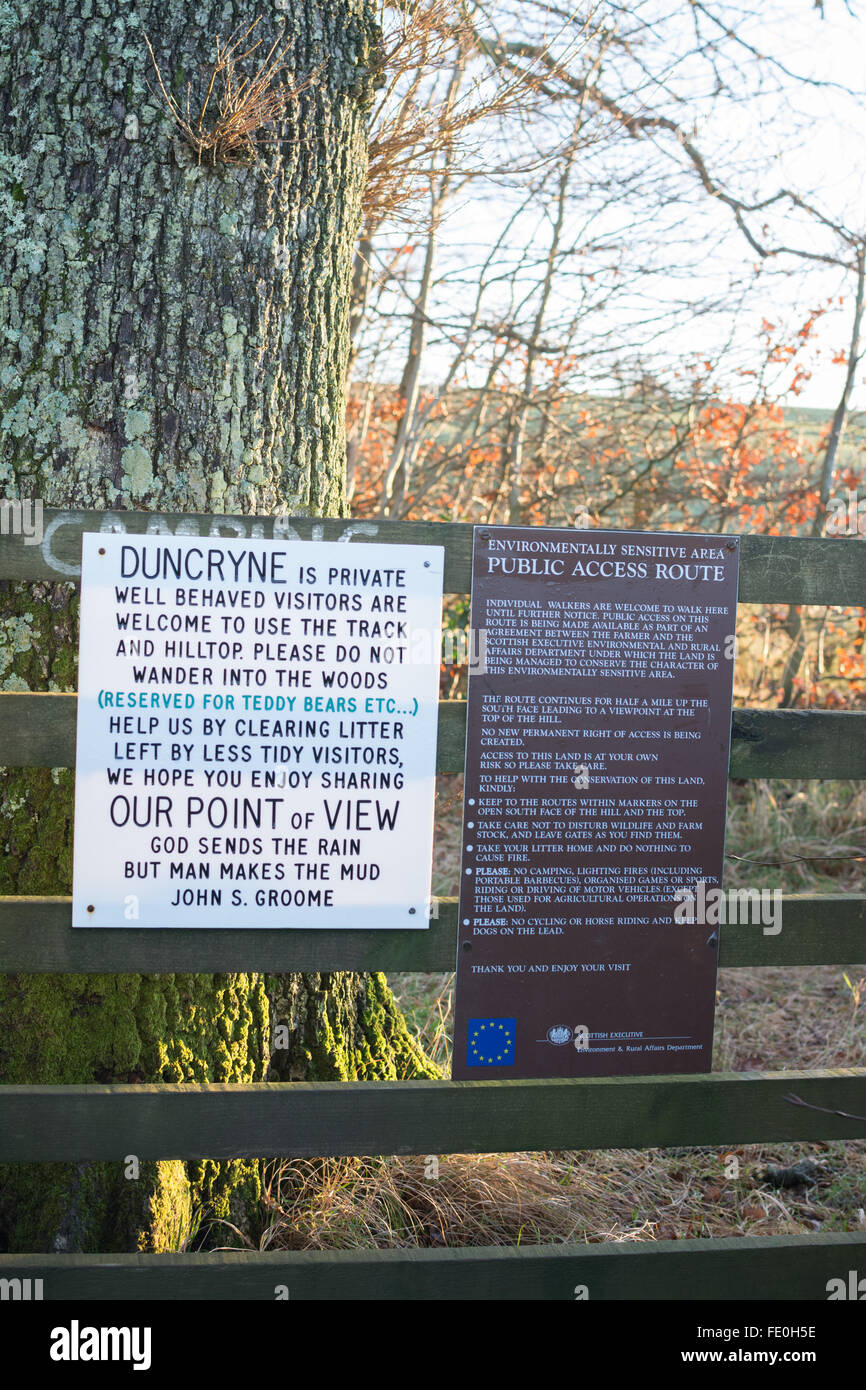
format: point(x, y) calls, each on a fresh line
point(36, 936)
point(773, 569)
point(38, 730)
point(322, 1119)
point(80, 1124)
point(790, 1268)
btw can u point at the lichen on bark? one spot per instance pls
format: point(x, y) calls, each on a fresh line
point(173, 337)
point(340, 1027)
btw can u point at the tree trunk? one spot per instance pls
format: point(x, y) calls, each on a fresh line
point(794, 626)
point(174, 337)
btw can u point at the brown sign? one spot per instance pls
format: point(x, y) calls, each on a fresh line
point(594, 816)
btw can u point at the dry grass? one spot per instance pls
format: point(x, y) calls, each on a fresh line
point(400, 1202)
point(555, 1198)
point(773, 1019)
point(817, 828)
point(236, 112)
point(766, 1019)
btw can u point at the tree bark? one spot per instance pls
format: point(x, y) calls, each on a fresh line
point(173, 336)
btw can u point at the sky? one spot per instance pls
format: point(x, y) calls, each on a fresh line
point(788, 134)
point(827, 158)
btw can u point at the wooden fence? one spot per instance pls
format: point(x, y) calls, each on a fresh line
point(81, 1123)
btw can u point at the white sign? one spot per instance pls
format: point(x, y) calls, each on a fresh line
point(256, 733)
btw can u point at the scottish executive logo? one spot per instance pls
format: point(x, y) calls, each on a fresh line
point(491, 1042)
point(559, 1034)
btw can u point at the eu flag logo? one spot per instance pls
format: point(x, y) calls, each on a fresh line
point(491, 1042)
